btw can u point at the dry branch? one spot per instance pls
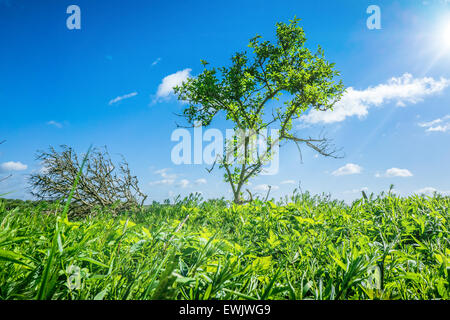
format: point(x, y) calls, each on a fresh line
point(101, 184)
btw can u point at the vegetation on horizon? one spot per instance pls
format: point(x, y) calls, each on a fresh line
point(305, 247)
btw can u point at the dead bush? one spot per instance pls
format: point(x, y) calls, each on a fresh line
point(101, 183)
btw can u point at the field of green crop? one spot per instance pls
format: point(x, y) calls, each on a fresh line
point(307, 247)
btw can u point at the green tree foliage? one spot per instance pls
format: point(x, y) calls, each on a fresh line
point(243, 91)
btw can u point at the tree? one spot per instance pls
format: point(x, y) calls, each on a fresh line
point(243, 92)
point(100, 184)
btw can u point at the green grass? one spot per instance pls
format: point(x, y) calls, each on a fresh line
point(304, 248)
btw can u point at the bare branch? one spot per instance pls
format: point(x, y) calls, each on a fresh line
point(7, 177)
point(267, 195)
point(321, 145)
point(102, 184)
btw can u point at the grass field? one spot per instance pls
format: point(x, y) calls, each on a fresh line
point(306, 247)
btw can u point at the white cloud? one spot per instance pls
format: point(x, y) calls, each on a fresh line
point(288, 182)
point(426, 2)
point(349, 168)
point(162, 182)
point(438, 125)
point(395, 172)
point(164, 174)
point(165, 89)
point(365, 189)
point(183, 183)
point(154, 63)
point(54, 123)
point(120, 98)
point(13, 166)
point(167, 178)
point(200, 181)
point(430, 191)
point(265, 187)
point(401, 90)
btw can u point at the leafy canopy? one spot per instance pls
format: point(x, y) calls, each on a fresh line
point(242, 93)
point(243, 89)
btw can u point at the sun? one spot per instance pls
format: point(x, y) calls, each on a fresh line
point(444, 35)
point(441, 33)
point(438, 42)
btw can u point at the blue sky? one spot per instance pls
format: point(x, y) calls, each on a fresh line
point(104, 85)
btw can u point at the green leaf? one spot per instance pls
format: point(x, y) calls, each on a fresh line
point(101, 294)
point(13, 257)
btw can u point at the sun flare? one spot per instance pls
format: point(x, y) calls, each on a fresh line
point(445, 35)
point(442, 33)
